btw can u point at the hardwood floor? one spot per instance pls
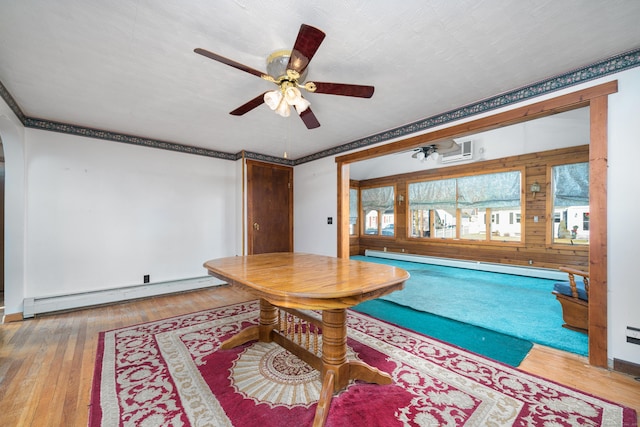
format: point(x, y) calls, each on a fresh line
point(46, 364)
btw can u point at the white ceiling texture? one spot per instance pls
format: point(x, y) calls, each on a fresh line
point(128, 67)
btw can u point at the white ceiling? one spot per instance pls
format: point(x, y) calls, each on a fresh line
point(128, 66)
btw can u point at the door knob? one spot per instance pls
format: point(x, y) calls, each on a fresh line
point(256, 226)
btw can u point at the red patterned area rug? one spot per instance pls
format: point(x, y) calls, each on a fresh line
point(171, 373)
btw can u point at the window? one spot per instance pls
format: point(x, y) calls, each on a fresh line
point(353, 211)
point(432, 208)
point(460, 207)
point(378, 208)
point(570, 196)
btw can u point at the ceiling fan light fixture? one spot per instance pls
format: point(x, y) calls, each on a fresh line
point(283, 109)
point(294, 97)
point(272, 99)
point(288, 69)
point(275, 100)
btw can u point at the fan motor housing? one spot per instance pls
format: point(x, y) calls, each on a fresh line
point(277, 64)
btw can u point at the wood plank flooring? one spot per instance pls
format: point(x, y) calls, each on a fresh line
point(46, 363)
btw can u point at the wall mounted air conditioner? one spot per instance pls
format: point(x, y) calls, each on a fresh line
point(464, 153)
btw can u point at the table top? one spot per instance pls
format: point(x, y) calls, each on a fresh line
point(308, 281)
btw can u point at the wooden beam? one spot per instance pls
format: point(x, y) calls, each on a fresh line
point(598, 232)
point(518, 115)
point(343, 211)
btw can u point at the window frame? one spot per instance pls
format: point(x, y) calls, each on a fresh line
point(356, 229)
point(362, 214)
point(549, 209)
point(486, 213)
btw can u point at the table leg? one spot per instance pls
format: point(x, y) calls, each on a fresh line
point(261, 332)
point(337, 371)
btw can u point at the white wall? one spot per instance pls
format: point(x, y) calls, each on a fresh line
point(623, 203)
point(103, 214)
point(567, 129)
point(315, 190)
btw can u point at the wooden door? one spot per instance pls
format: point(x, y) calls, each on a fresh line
point(269, 208)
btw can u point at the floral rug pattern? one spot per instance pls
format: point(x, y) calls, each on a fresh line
point(172, 373)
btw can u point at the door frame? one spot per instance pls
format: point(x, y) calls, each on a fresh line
point(249, 202)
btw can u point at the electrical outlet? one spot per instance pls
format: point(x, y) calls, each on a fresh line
point(633, 332)
point(145, 279)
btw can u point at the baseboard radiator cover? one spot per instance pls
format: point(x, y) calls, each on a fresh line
point(48, 304)
point(543, 273)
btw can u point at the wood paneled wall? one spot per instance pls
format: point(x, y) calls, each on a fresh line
point(534, 249)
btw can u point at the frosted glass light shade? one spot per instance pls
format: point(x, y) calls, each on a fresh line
point(273, 99)
point(294, 97)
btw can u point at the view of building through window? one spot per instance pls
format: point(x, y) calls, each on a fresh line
point(353, 211)
point(570, 192)
point(479, 207)
point(485, 207)
point(378, 207)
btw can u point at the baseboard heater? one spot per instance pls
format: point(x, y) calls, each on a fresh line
point(543, 273)
point(47, 304)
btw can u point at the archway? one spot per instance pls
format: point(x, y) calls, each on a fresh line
point(597, 99)
point(15, 217)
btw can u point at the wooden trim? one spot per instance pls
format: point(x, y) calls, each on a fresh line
point(244, 204)
point(518, 115)
point(533, 245)
point(250, 202)
point(343, 210)
point(626, 367)
point(12, 317)
point(598, 232)
point(596, 98)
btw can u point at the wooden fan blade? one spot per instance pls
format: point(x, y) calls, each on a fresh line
point(344, 89)
point(228, 61)
point(306, 45)
point(245, 108)
point(309, 119)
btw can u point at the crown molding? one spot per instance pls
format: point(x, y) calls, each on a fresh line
point(120, 137)
point(11, 102)
point(615, 64)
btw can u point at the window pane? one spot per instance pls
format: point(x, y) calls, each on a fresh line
point(378, 207)
point(494, 190)
point(433, 194)
point(570, 187)
point(420, 223)
point(371, 223)
point(505, 224)
point(497, 196)
point(472, 224)
point(353, 211)
point(379, 198)
point(444, 223)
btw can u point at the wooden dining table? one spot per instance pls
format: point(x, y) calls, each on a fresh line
point(292, 288)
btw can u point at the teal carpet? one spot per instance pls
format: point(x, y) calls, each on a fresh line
point(503, 348)
point(518, 306)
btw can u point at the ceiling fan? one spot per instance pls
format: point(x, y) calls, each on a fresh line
point(288, 70)
point(433, 150)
